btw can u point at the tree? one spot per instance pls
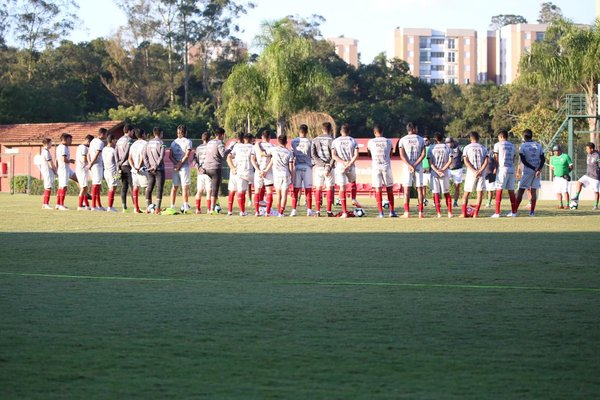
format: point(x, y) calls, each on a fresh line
point(3, 21)
point(498, 21)
point(549, 13)
point(568, 56)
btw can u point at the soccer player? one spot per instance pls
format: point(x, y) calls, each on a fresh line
point(48, 171)
point(240, 162)
point(213, 162)
point(456, 168)
point(532, 157)
point(181, 149)
point(81, 171)
point(231, 185)
point(109, 159)
point(97, 168)
point(263, 178)
point(282, 164)
point(561, 166)
point(426, 168)
point(123, 145)
point(476, 159)
point(345, 153)
point(301, 147)
point(154, 159)
point(321, 153)
point(139, 175)
point(63, 159)
point(504, 155)
point(439, 163)
point(381, 150)
point(203, 180)
point(592, 175)
point(490, 177)
point(412, 153)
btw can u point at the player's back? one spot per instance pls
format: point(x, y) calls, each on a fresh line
point(137, 151)
point(532, 151)
point(45, 157)
point(593, 165)
point(439, 154)
point(154, 155)
point(214, 154)
point(81, 161)
point(201, 154)
point(476, 154)
point(321, 150)
point(505, 151)
point(242, 154)
point(109, 158)
point(380, 149)
point(263, 160)
point(179, 147)
point(122, 148)
point(281, 157)
point(96, 146)
point(413, 146)
point(62, 151)
point(301, 149)
point(344, 147)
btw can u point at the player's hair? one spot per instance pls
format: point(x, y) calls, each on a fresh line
point(89, 138)
point(156, 131)
point(503, 133)
point(410, 127)
point(282, 139)
point(426, 137)
point(127, 128)
point(378, 128)
point(219, 131)
point(110, 137)
point(65, 136)
point(139, 133)
point(248, 136)
point(102, 131)
point(45, 141)
point(591, 145)
point(182, 129)
point(346, 128)
point(527, 134)
point(240, 136)
point(474, 135)
point(438, 137)
point(303, 128)
point(327, 127)
point(266, 134)
point(205, 136)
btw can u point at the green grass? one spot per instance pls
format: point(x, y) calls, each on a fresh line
point(99, 305)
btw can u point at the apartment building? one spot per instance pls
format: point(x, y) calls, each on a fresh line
point(346, 49)
point(435, 56)
point(511, 42)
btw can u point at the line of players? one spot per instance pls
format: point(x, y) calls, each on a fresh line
point(272, 169)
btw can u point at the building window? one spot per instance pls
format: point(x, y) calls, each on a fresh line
point(424, 42)
point(424, 71)
point(437, 67)
point(452, 81)
point(411, 67)
point(437, 41)
point(467, 41)
point(436, 81)
point(451, 70)
point(451, 44)
point(411, 54)
point(539, 36)
point(528, 36)
point(411, 39)
point(437, 54)
point(424, 56)
point(467, 54)
point(451, 57)
point(467, 68)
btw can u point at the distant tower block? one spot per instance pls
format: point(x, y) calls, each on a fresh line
point(347, 49)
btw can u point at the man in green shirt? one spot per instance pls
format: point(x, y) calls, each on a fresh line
point(560, 167)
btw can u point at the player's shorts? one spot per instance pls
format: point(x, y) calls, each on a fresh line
point(64, 174)
point(409, 178)
point(505, 180)
point(474, 183)
point(109, 177)
point(594, 184)
point(427, 178)
point(139, 178)
point(240, 183)
point(489, 186)
point(560, 184)
point(97, 173)
point(382, 177)
point(82, 177)
point(303, 176)
point(204, 184)
point(231, 187)
point(440, 184)
point(267, 180)
point(48, 180)
point(342, 178)
point(321, 177)
point(282, 182)
point(529, 180)
point(182, 177)
point(456, 175)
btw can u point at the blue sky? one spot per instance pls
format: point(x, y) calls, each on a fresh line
point(372, 22)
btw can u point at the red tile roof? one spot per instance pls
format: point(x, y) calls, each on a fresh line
point(32, 134)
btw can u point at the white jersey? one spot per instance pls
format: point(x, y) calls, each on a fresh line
point(301, 149)
point(476, 154)
point(413, 146)
point(179, 147)
point(96, 146)
point(109, 159)
point(282, 158)
point(261, 160)
point(242, 155)
point(532, 151)
point(344, 147)
point(81, 161)
point(381, 150)
point(46, 156)
point(505, 151)
point(62, 151)
point(439, 155)
point(137, 151)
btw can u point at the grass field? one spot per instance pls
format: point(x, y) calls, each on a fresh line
point(99, 305)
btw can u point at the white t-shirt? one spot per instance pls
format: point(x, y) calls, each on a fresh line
point(506, 155)
point(438, 155)
point(344, 147)
point(281, 160)
point(413, 146)
point(380, 149)
point(109, 159)
point(476, 154)
point(242, 155)
point(46, 156)
point(261, 160)
point(532, 151)
point(301, 149)
point(62, 151)
point(137, 150)
point(96, 146)
point(81, 161)
point(179, 147)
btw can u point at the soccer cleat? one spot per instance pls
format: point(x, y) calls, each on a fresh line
point(528, 206)
point(488, 204)
point(310, 213)
point(344, 215)
point(198, 211)
point(330, 214)
point(242, 214)
point(406, 215)
point(46, 207)
point(280, 215)
point(421, 216)
point(99, 209)
point(380, 215)
point(561, 207)
point(62, 208)
point(317, 214)
point(511, 215)
point(137, 211)
point(229, 213)
point(111, 209)
point(393, 214)
point(81, 208)
point(532, 214)
point(257, 214)
point(595, 208)
point(356, 203)
point(495, 216)
point(293, 213)
point(439, 215)
point(449, 215)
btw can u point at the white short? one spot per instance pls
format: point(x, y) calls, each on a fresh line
point(240, 184)
point(139, 179)
point(427, 178)
point(456, 175)
point(64, 174)
point(204, 184)
point(82, 177)
point(259, 182)
point(561, 185)
point(97, 173)
point(473, 183)
point(231, 182)
point(48, 180)
point(592, 183)
point(382, 177)
point(303, 176)
point(282, 182)
point(440, 184)
point(342, 178)
point(529, 180)
point(182, 177)
point(321, 177)
point(109, 177)
point(505, 180)
point(489, 186)
point(408, 178)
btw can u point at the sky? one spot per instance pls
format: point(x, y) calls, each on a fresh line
point(371, 22)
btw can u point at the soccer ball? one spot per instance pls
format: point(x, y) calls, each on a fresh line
point(217, 208)
point(184, 208)
point(574, 204)
point(151, 208)
point(359, 212)
point(470, 211)
point(338, 202)
point(386, 204)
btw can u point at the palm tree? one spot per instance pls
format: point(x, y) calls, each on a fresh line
point(568, 57)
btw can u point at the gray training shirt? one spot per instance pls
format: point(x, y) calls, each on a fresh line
point(215, 154)
point(155, 155)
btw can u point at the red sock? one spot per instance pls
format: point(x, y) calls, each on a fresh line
point(477, 210)
point(448, 202)
point(208, 204)
point(62, 194)
point(197, 204)
point(343, 199)
point(309, 197)
point(390, 195)
point(379, 199)
point(406, 208)
point(330, 195)
point(136, 203)
point(94, 202)
point(295, 195)
point(230, 201)
point(498, 200)
point(436, 200)
point(319, 199)
point(513, 201)
point(269, 202)
point(464, 210)
point(257, 200)
point(98, 199)
point(263, 191)
point(241, 198)
point(420, 206)
point(111, 197)
point(533, 205)
point(353, 190)
point(80, 200)
point(47, 193)
point(58, 192)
